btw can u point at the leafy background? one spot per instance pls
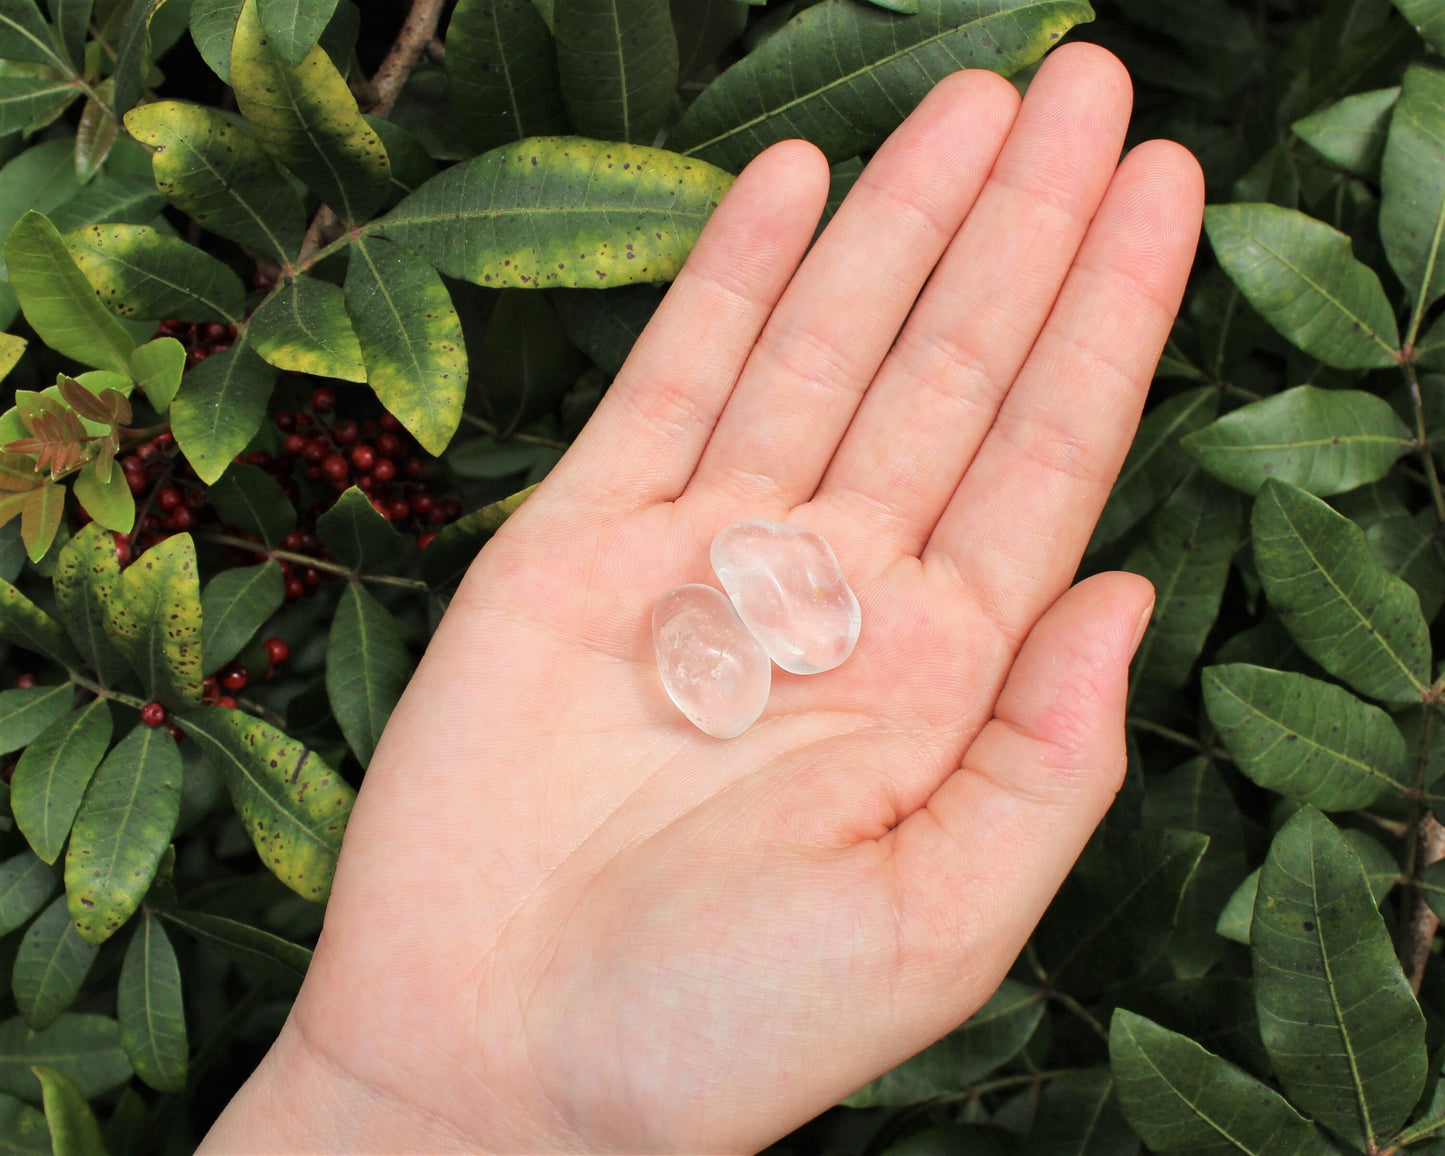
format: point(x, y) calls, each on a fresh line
point(297, 302)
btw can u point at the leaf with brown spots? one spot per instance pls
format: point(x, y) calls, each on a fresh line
point(156, 622)
point(124, 826)
point(293, 805)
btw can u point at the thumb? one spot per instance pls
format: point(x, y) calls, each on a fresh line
point(983, 859)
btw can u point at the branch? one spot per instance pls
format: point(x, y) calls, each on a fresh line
point(1420, 933)
point(418, 31)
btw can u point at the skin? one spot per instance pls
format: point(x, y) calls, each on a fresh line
point(564, 919)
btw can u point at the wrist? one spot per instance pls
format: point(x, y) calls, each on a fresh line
point(298, 1102)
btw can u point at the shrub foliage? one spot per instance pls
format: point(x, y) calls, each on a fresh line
point(292, 318)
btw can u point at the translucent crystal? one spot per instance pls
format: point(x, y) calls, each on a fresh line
point(788, 588)
point(713, 669)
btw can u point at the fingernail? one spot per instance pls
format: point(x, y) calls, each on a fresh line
point(1141, 627)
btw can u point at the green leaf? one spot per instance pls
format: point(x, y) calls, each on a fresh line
point(303, 328)
point(292, 804)
point(617, 60)
point(1309, 740)
point(1431, 883)
point(271, 957)
point(109, 198)
point(1154, 465)
point(560, 212)
point(1351, 133)
point(53, 963)
point(1411, 546)
point(235, 604)
point(85, 1047)
point(1301, 275)
point(359, 537)
point(1412, 185)
point(24, 35)
point(40, 519)
point(148, 1005)
point(133, 61)
point(139, 272)
point(87, 574)
point(1079, 1116)
point(1238, 914)
point(12, 348)
point(40, 178)
point(410, 337)
point(213, 27)
point(58, 301)
point(1186, 552)
point(1113, 915)
point(72, 20)
point(992, 1036)
point(1325, 441)
point(221, 176)
point(26, 712)
point(703, 29)
point(502, 73)
point(1427, 18)
point(52, 775)
point(1180, 1097)
point(1344, 609)
point(250, 499)
point(606, 324)
point(294, 26)
point(820, 76)
point(530, 365)
point(23, 1131)
point(156, 622)
point(485, 457)
point(26, 882)
point(157, 367)
point(74, 1130)
point(125, 824)
point(367, 667)
point(24, 624)
point(411, 165)
point(220, 406)
point(26, 97)
point(110, 504)
point(1343, 1030)
point(307, 119)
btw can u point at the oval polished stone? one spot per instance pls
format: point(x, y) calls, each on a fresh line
point(790, 592)
point(712, 668)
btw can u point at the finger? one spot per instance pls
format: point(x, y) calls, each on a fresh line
point(643, 443)
point(842, 311)
point(976, 867)
point(939, 388)
point(1018, 523)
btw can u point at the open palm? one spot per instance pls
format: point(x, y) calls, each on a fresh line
point(566, 920)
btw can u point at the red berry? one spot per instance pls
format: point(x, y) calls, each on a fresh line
point(323, 400)
point(259, 458)
point(335, 467)
point(399, 509)
point(384, 470)
point(388, 421)
point(293, 542)
point(235, 677)
point(381, 508)
point(136, 482)
point(169, 499)
point(197, 355)
point(165, 442)
point(451, 509)
point(316, 450)
point(209, 688)
point(422, 505)
point(304, 421)
point(436, 517)
point(426, 539)
point(122, 549)
point(131, 464)
point(196, 500)
point(285, 421)
point(175, 732)
point(294, 589)
point(216, 331)
point(366, 483)
point(25, 681)
point(314, 473)
point(345, 432)
point(227, 701)
point(389, 445)
point(412, 467)
point(309, 540)
point(295, 444)
point(277, 650)
point(363, 457)
point(180, 521)
point(153, 714)
point(310, 578)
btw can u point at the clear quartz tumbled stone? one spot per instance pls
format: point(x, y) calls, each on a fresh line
point(713, 669)
point(788, 588)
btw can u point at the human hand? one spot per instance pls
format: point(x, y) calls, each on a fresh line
point(563, 918)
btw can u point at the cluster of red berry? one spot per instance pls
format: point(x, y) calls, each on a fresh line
point(200, 339)
point(233, 677)
point(376, 455)
point(170, 499)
